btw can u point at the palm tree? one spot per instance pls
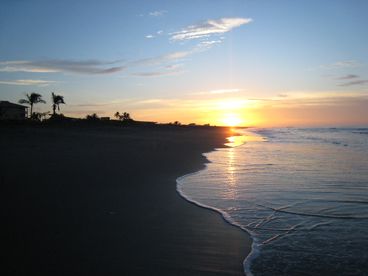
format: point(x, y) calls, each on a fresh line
point(117, 115)
point(126, 117)
point(56, 101)
point(31, 99)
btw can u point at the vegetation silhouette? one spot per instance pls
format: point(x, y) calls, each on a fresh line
point(31, 99)
point(40, 116)
point(58, 118)
point(176, 123)
point(125, 117)
point(56, 101)
point(92, 117)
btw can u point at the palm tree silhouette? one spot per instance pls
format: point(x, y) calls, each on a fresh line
point(31, 99)
point(56, 101)
point(126, 117)
point(117, 115)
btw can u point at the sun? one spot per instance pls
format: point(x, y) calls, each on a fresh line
point(232, 120)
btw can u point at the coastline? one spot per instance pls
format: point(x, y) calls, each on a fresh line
point(254, 252)
point(104, 201)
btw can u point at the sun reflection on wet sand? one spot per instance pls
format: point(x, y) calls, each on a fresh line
point(245, 136)
point(235, 141)
point(231, 191)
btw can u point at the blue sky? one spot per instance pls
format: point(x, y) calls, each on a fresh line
point(165, 59)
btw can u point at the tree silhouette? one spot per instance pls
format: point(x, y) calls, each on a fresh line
point(117, 115)
point(92, 117)
point(125, 117)
point(56, 101)
point(31, 99)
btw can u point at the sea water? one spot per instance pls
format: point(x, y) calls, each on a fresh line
point(302, 195)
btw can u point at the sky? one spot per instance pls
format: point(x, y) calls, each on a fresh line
point(229, 62)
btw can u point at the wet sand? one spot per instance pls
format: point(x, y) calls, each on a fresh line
point(103, 201)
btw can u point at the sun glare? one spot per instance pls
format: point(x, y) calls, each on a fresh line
point(231, 120)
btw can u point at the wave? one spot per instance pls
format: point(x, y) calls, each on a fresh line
point(296, 193)
point(313, 215)
point(255, 249)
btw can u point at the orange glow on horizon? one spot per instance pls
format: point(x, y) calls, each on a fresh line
point(232, 120)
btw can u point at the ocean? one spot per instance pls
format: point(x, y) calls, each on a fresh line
point(301, 193)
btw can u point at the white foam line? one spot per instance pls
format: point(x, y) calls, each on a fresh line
point(255, 245)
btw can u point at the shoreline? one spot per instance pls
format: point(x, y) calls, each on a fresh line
point(105, 203)
point(254, 252)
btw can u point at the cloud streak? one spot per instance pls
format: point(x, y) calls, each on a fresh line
point(27, 82)
point(209, 28)
point(341, 64)
point(170, 57)
point(348, 77)
point(354, 83)
point(158, 13)
point(89, 67)
point(168, 70)
point(218, 91)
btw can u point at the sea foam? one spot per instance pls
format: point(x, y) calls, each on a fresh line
point(300, 193)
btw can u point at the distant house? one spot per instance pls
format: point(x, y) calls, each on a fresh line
point(12, 111)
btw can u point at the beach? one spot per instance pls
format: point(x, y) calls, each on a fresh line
point(102, 200)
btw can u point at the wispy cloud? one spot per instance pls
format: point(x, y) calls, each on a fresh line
point(158, 33)
point(354, 83)
point(351, 80)
point(27, 82)
point(348, 77)
point(168, 70)
point(218, 91)
point(156, 73)
point(341, 64)
point(209, 28)
point(157, 13)
point(92, 67)
point(203, 31)
point(169, 57)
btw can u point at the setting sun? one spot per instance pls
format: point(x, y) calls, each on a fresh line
point(231, 120)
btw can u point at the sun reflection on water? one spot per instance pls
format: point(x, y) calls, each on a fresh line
point(230, 170)
point(238, 140)
point(231, 175)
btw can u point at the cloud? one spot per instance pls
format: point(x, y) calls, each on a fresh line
point(27, 82)
point(168, 70)
point(209, 28)
point(218, 91)
point(173, 66)
point(353, 83)
point(348, 77)
point(206, 45)
point(158, 33)
point(204, 31)
point(341, 64)
point(170, 57)
point(91, 67)
point(157, 13)
point(154, 74)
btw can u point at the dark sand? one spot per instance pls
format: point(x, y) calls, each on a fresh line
point(103, 201)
